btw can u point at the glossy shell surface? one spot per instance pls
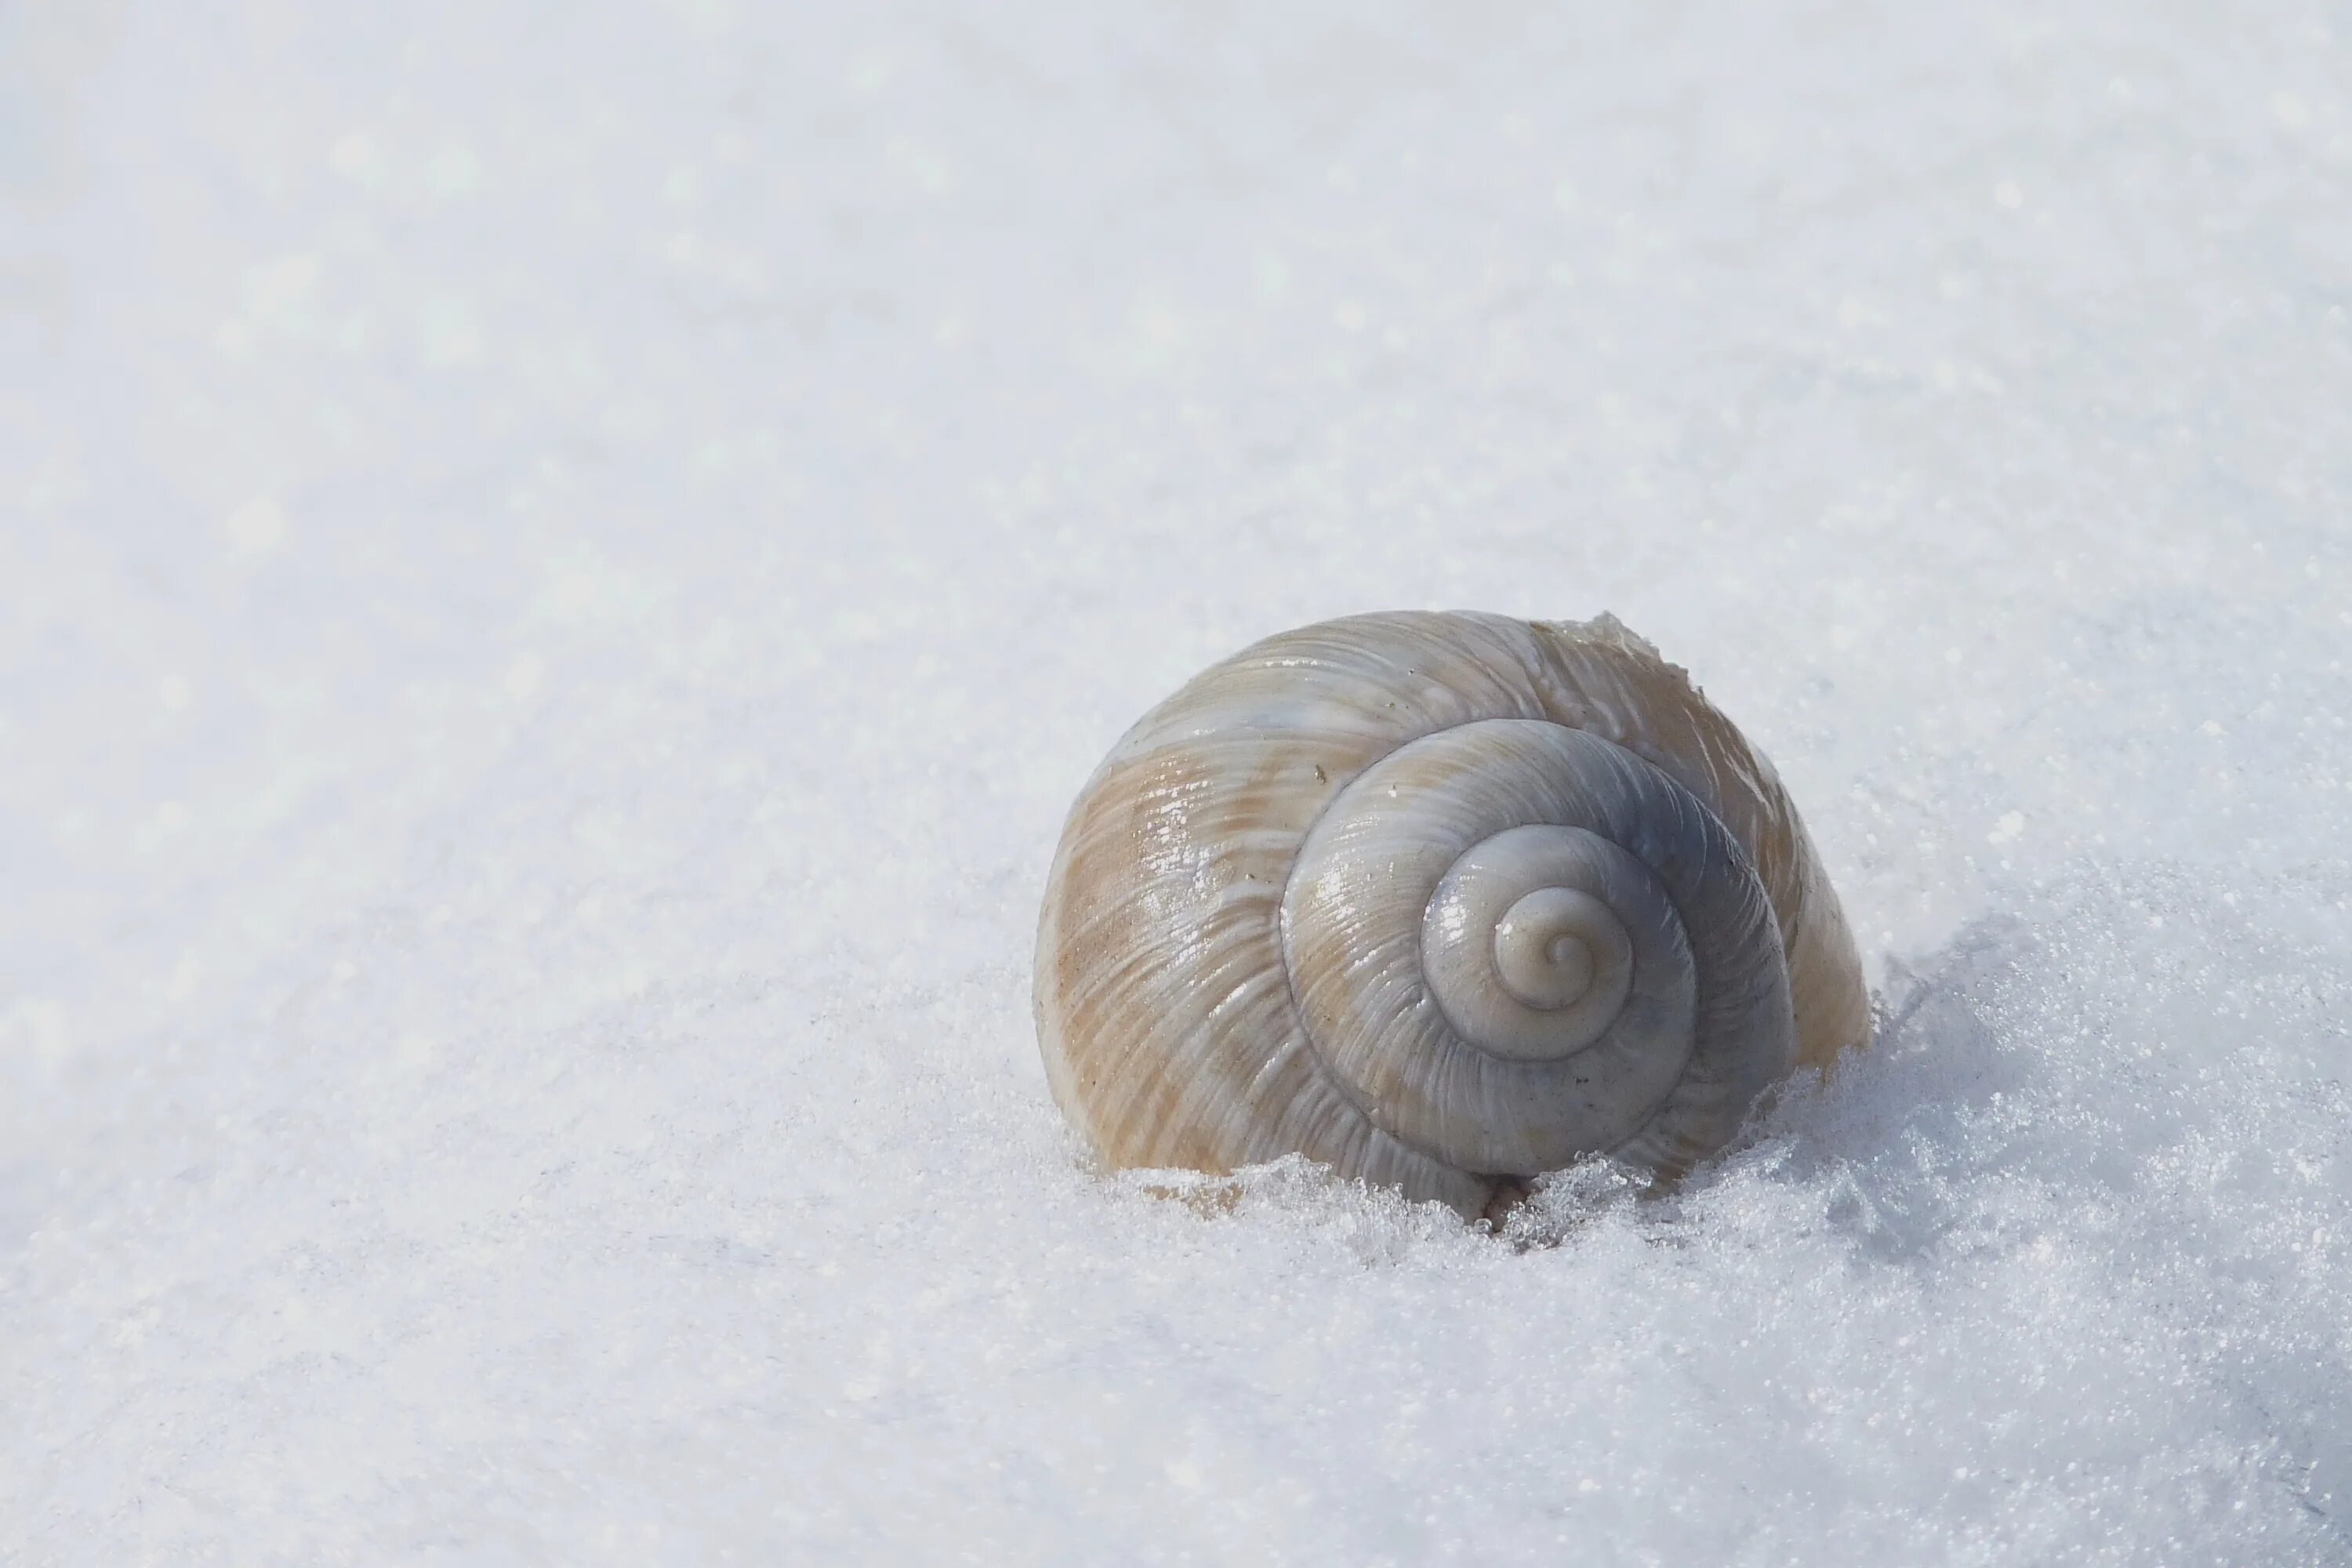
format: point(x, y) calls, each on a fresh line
point(1442, 901)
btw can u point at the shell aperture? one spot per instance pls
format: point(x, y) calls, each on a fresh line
point(1442, 901)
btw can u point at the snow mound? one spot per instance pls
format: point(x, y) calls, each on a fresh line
point(557, 578)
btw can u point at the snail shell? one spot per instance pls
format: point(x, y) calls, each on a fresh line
point(1444, 902)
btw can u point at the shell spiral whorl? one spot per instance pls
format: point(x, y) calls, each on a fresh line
point(1442, 901)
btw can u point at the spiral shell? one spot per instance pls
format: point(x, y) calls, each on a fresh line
point(1444, 902)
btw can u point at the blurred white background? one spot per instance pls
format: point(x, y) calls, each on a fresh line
point(559, 566)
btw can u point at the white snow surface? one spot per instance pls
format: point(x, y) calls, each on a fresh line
point(560, 566)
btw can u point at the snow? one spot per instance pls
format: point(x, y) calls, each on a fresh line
point(558, 569)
